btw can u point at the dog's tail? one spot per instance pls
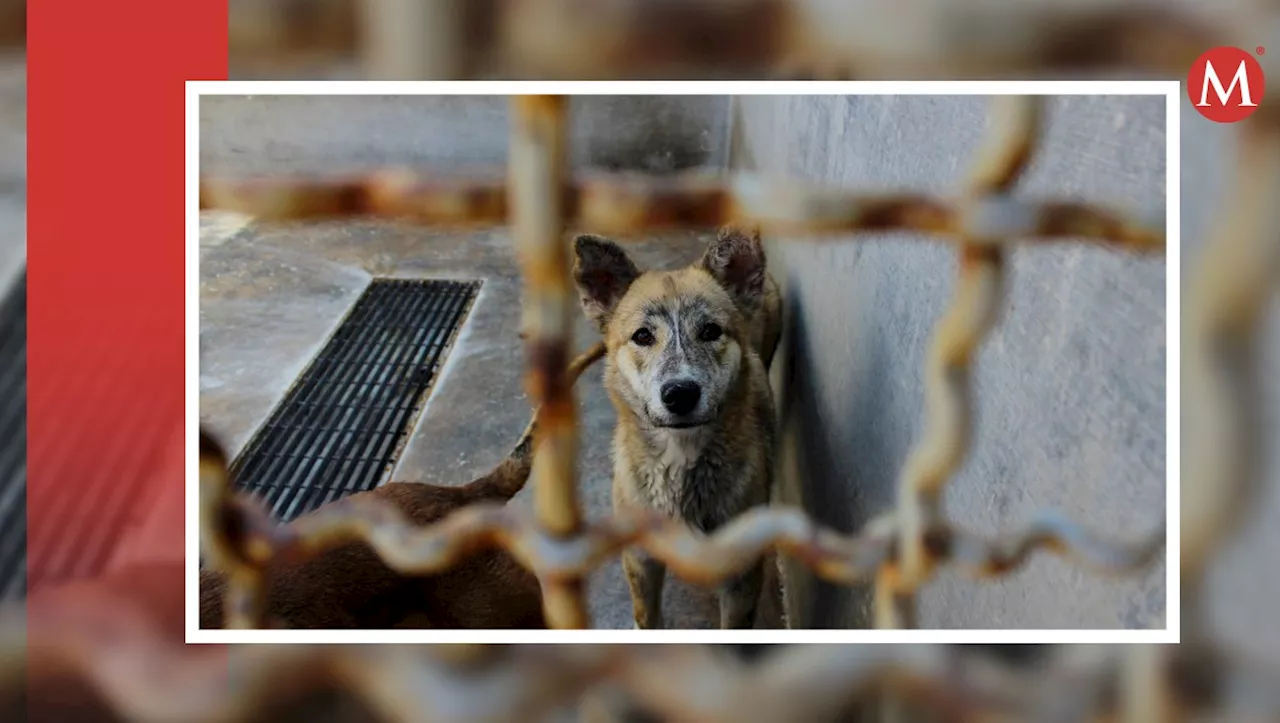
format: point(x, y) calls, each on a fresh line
point(509, 477)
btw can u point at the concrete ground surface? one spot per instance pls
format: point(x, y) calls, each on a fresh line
point(271, 295)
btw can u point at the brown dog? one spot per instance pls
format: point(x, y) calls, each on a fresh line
point(349, 587)
point(686, 370)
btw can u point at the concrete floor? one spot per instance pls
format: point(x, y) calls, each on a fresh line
point(270, 296)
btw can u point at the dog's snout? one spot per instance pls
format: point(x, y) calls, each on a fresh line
point(681, 397)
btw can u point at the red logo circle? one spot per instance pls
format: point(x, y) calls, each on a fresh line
point(1226, 85)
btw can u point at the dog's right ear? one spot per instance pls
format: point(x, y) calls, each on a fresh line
point(603, 272)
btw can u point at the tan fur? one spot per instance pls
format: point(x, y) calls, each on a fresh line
point(710, 464)
point(350, 587)
point(769, 322)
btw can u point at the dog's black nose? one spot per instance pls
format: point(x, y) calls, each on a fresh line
point(681, 397)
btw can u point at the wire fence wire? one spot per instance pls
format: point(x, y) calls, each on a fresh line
point(1220, 479)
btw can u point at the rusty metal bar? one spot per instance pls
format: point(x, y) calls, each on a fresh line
point(13, 24)
point(238, 549)
point(1221, 478)
point(290, 34)
point(393, 34)
point(948, 407)
point(625, 205)
point(621, 39)
point(520, 683)
point(702, 559)
point(539, 159)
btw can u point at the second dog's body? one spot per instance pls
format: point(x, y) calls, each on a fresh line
point(350, 587)
point(687, 360)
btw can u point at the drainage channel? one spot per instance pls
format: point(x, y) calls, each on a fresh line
point(342, 425)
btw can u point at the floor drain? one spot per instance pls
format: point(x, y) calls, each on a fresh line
point(340, 427)
point(13, 441)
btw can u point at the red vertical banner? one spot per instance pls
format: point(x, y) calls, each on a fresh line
point(106, 272)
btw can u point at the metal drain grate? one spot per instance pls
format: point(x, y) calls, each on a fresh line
point(341, 426)
point(13, 441)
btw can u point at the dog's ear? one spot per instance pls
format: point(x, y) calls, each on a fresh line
point(736, 260)
point(603, 272)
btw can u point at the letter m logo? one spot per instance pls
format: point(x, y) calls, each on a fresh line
point(1233, 100)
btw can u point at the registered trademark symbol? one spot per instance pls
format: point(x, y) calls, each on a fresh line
point(1260, 50)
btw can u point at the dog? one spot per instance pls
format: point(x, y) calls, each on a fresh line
point(686, 368)
point(350, 587)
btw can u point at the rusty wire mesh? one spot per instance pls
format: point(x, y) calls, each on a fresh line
point(1233, 283)
point(898, 551)
point(703, 39)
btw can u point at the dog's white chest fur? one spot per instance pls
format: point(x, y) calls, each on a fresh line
point(676, 453)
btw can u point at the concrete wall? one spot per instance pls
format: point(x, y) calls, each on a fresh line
point(1070, 388)
point(1070, 385)
point(270, 134)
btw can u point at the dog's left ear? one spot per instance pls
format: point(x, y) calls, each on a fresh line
point(736, 260)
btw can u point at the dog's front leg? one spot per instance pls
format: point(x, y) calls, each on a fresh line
point(645, 576)
point(740, 598)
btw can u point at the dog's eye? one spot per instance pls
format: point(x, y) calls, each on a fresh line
point(710, 332)
point(642, 337)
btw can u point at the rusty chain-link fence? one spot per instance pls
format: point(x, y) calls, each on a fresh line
point(1220, 478)
point(709, 39)
point(897, 551)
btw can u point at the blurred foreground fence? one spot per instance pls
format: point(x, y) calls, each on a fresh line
point(750, 39)
point(1220, 472)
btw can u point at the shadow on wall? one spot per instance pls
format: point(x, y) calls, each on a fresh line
point(654, 135)
point(814, 603)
